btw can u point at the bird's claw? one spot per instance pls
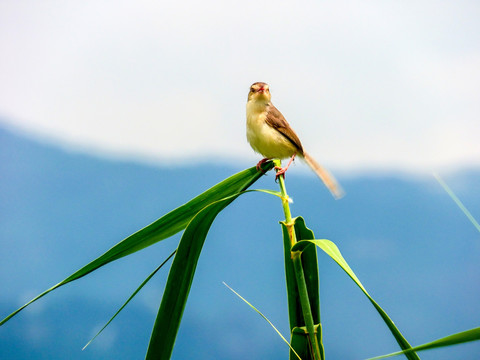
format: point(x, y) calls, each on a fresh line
point(281, 172)
point(260, 163)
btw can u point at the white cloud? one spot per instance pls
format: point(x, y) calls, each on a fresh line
point(377, 84)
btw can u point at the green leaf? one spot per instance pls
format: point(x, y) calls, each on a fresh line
point(310, 267)
point(164, 227)
point(455, 339)
point(131, 297)
point(332, 250)
point(180, 280)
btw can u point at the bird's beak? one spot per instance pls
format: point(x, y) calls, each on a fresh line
point(261, 90)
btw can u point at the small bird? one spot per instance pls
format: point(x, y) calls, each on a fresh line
point(271, 135)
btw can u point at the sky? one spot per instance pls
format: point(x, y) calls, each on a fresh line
point(366, 85)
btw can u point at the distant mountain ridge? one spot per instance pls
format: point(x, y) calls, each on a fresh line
point(407, 241)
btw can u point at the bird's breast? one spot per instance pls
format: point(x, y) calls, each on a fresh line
point(263, 138)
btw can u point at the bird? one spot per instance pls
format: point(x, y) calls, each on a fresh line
point(270, 135)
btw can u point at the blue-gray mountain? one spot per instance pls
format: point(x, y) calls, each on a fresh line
point(413, 249)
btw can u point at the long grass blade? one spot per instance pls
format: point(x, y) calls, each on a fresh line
point(458, 202)
point(131, 297)
point(332, 250)
point(265, 318)
point(164, 227)
point(181, 276)
point(179, 281)
point(455, 339)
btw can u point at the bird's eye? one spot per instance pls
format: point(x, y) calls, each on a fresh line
point(252, 89)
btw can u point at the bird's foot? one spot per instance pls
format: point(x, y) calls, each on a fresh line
point(281, 171)
point(260, 163)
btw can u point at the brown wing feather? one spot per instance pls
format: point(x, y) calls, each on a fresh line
point(276, 120)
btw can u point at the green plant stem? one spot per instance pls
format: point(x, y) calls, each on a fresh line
point(318, 353)
point(285, 198)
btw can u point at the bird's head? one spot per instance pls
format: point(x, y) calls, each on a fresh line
point(259, 91)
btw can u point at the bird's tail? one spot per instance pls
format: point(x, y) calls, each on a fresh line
point(328, 179)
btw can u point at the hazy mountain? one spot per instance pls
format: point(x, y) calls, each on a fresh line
point(411, 246)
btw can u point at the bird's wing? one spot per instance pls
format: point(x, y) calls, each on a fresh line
point(276, 120)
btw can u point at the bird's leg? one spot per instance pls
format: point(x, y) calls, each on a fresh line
point(282, 171)
point(260, 163)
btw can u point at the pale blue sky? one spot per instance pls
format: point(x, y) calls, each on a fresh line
point(372, 84)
